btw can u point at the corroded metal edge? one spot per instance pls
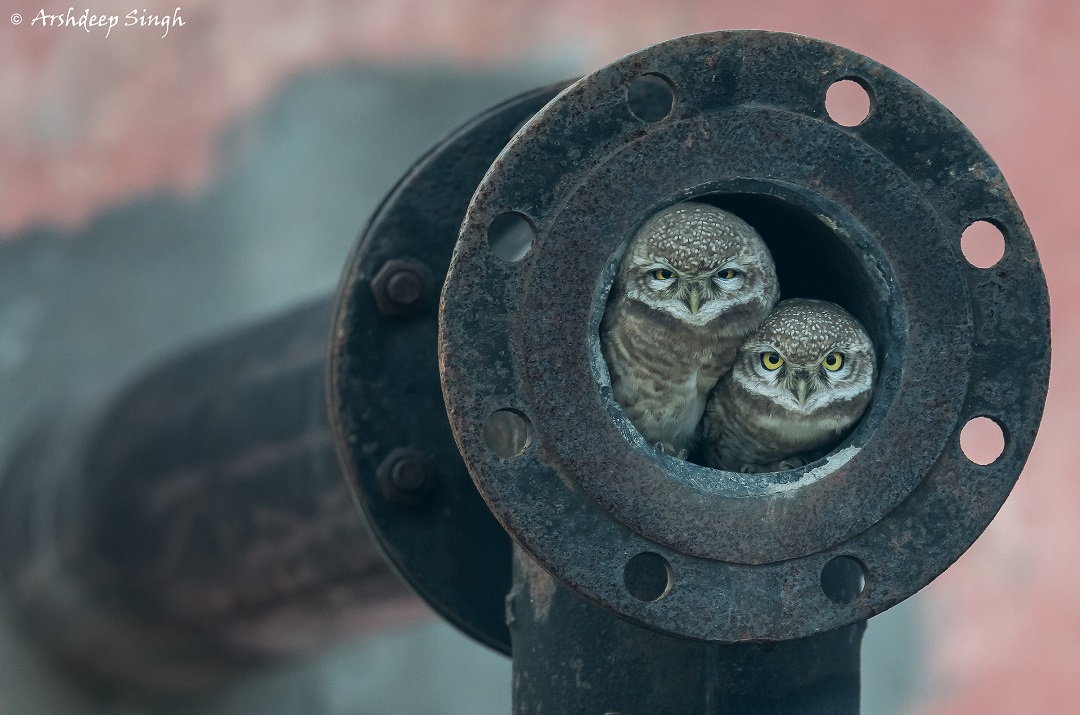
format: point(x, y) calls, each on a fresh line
point(583, 499)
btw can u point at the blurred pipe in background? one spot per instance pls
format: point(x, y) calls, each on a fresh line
point(198, 524)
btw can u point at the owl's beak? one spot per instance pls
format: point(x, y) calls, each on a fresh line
point(802, 386)
point(693, 301)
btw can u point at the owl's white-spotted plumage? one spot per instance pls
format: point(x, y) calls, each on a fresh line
point(694, 282)
point(799, 383)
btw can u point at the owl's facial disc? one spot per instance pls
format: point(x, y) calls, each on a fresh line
point(697, 263)
point(699, 300)
point(798, 384)
point(833, 377)
point(696, 297)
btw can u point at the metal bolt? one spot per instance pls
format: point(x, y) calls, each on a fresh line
point(405, 287)
point(400, 286)
point(406, 477)
point(410, 474)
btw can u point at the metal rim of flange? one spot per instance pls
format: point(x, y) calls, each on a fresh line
point(723, 556)
point(384, 389)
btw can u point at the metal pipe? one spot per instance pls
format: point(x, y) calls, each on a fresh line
point(198, 523)
point(870, 216)
point(571, 656)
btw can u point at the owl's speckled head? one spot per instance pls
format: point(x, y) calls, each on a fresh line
point(696, 263)
point(808, 355)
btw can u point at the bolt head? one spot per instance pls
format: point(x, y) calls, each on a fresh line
point(410, 473)
point(406, 477)
point(405, 287)
point(401, 286)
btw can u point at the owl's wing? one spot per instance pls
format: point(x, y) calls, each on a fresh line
point(710, 429)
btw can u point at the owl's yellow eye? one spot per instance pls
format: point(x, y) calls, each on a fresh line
point(727, 274)
point(663, 274)
point(833, 361)
point(771, 361)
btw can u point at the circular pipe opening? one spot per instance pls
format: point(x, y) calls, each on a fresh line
point(849, 101)
point(592, 502)
point(647, 576)
point(843, 579)
point(507, 433)
point(510, 236)
point(982, 440)
point(983, 244)
point(815, 259)
point(651, 97)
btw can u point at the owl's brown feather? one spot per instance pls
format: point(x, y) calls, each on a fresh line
point(755, 419)
point(664, 353)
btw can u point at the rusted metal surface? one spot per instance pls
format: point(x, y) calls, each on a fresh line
point(571, 656)
point(198, 524)
point(384, 385)
point(867, 216)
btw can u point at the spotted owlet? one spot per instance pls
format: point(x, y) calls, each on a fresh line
point(695, 280)
point(799, 383)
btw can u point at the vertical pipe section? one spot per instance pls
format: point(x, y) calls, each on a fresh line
point(199, 522)
point(573, 657)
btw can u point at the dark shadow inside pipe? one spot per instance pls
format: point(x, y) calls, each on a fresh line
point(812, 261)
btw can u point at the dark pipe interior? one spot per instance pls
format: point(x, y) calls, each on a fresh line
point(811, 260)
point(814, 261)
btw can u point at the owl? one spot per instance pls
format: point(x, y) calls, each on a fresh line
point(694, 282)
point(798, 385)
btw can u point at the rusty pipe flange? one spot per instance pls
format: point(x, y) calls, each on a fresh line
point(870, 216)
point(385, 402)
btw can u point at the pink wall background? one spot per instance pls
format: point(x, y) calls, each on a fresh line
point(88, 121)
